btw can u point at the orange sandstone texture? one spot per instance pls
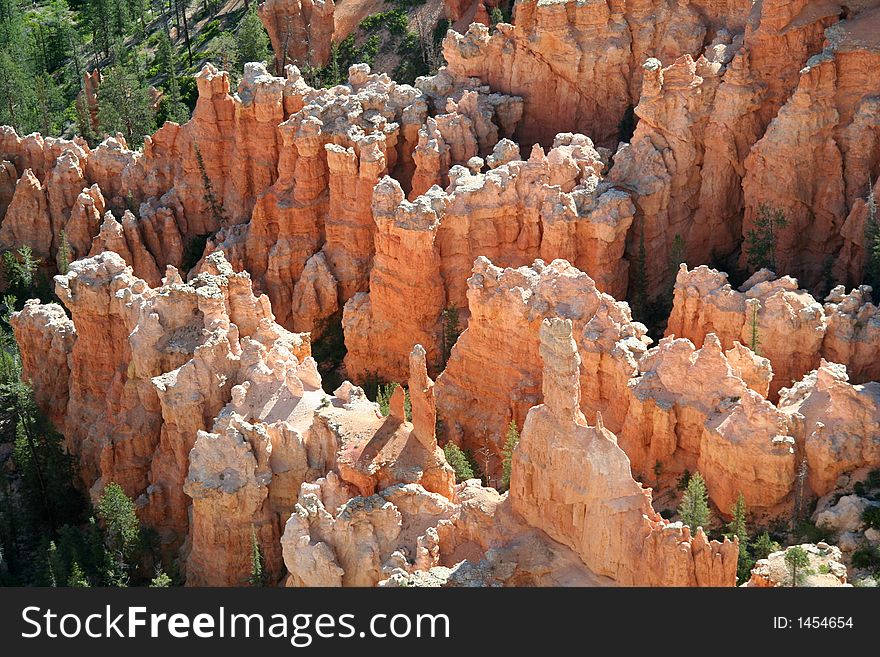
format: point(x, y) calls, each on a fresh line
point(301, 31)
point(552, 205)
point(786, 324)
point(493, 376)
point(574, 482)
point(578, 66)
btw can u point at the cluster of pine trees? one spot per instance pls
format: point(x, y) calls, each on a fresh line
point(46, 46)
point(49, 533)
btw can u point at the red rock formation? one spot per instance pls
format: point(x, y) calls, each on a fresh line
point(493, 375)
point(88, 97)
point(406, 295)
point(578, 66)
point(791, 329)
point(8, 179)
point(690, 410)
point(301, 31)
point(839, 421)
point(830, 119)
point(662, 164)
point(573, 481)
point(27, 221)
point(364, 540)
point(551, 206)
point(45, 336)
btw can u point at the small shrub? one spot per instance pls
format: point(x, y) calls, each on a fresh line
point(459, 462)
point(868, 558)
point(871, 517)
point(510, 443)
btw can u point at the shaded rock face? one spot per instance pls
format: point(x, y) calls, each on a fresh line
point(831, 118)
point(709, 151)
point(786, 324)
point(301, 31)
point(573, 481)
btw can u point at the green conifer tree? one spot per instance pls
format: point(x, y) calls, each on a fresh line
point(510, 443)
point(762, 238)
point(258, 577)
point(737, 527)
point(763, 546)
point(459, 462)
point(797, 560)
point(253, 42)
point(122, 535)
point(694, 508)
point(124, 103)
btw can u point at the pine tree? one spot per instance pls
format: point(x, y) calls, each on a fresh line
point(796, 559)
point(763, 546)
point(63, 258)
point(640, 279)
point(122, 534)
point(737, 527)
point(694, 508)
point(18, 101)
point(872, 244)
point(224, 50)
point(762, 238)
point(77, 577)
point(124, 103)
point(208, 194)
point(451, 331)
point(257, 577)
point(253, 42)
point(174, 108)
point(510, 443)
point(459, 462)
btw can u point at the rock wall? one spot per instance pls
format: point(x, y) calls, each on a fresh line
point(831, 118)
point(493, 376)
point(300, 31)
point(550, 206)
point(786, 324)
point(578, 66)
point(574, 482)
